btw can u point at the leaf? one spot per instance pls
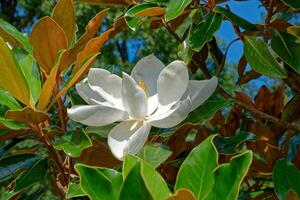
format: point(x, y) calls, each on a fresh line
point(294, 30)
point(260, 59)
point(204, 31)
point(102, 131)
point(292, 3)
point(74, 143)
point(293, 147)
point(31, 72)
point(235, 19)
point(7, 100)
point(286, 177)
point(98, 150)
point(50, 83)
point(5, 148)
point(129, 162)
point(15, 38)
point(12, 124)
point(11, 78)
point(74, 190)
point(155, 154)
point(229, 176)
point(34, 175)
point(229, 145)
point(287, 47)
point(208, 110)
point(10, 164)
point(99, 183)
point(183, 194)
point(199, 167)
point(118, 3)
point(64, 15)
point(176, 8)
point(27, 116)
point(47, 39)
point(143, 181)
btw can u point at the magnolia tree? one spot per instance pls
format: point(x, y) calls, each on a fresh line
point(70, 129)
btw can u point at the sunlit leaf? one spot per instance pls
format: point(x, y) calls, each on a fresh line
point(7, 100)
point(107, 2)
point(11, 124)
point(183, 194)
point(74, 190)
point(176, 8)
point(260, 59)
point(11, 78)
point(27, 116)
point(204, 31)
point(294, 30)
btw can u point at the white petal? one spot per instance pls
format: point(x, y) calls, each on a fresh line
point(173, 116)
point(108, 85)
point(152, 104)
point(172, 83)
point(128, 137)
point(96, 115)
point(134, 98)
point(200, 91)
point(86, 93)
point(147, 70)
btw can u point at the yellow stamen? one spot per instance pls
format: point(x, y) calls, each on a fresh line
point(143, 85)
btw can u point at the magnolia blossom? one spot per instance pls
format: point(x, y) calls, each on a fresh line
point(153, 95)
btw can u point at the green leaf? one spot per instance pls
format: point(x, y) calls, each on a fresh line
point(34, 175)
point(260, 59)
point(99, 183)
point(185, 52)
point(292, 3)
point(30, 71)
point(208, 110)
point(13, 36)
point(74, 190)
point(295, 31)
point(102, 131)
point(7, 100)
point(197, 170)
point(10, 164)
point(143, 181)
point(235, 19)
point(287, 47)
point(176, 8)
point(286, 177)
point(204, 31)
point(229, 176)
point(73, 143)
point(12, 124)
point(229, 145)
point(155, 154)
point(129, 162)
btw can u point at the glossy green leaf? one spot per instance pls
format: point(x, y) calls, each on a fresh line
point(292, 3)
point(143, 181)
point(185, 52)
point(197, 170)
point(10, 164)
point(7, 100)
point(295, 31)
point(287, 47)
point(99, 183)
point(229, 176)
point(12, 124)
point(260, 59)
point(34, 175)
point(74, 190)
point(129, 162)
point(4, 149)
point(236, 19)
point(73, 143)
point(229, 145)
point(176, 8)
point(204, 31)
point(286, 177)
point(31, 72)
point(13, 36)
point(155, 154)
point(208, 110)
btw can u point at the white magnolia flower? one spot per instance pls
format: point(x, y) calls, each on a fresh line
point(154, 95)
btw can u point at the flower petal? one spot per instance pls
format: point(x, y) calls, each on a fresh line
point(108, 85)
point(152, 104)
point(96, 115)
point(147, 70)
point(134, 98)
point(200, 91)
point(172, 83)
point(86, 93)
point(128, 137)
point(173, 116)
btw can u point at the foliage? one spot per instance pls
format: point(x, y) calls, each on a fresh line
point(232, 147)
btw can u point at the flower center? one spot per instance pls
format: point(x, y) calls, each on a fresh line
point(143, 85)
